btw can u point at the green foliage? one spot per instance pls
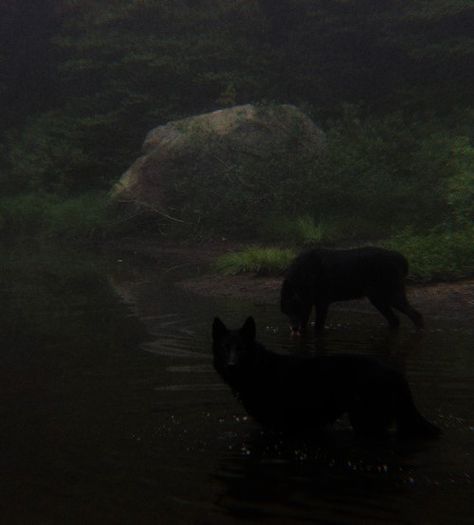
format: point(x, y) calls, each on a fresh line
point(436, 255)
point(102, 74)
point(439, 254)
point(302, 230)
point(376, 176)
point(151, 64)
point(85, 217)
point(23, 214)
point(46, 155)
point(460, 190)
point(363, 169)
point(383, 174)
point(124, 68)
point(65, 152)
point(262, 261)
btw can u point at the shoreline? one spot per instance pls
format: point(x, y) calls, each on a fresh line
point(454, 299)
point(444, 299)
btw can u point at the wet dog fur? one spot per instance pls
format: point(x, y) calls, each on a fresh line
point(319, 277)
point(303, 394)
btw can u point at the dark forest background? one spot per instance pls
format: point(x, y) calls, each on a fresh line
point(391, 82)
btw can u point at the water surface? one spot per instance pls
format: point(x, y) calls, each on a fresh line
point(112, 413)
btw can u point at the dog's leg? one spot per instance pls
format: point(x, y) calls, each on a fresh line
point(321, 315)
point(384, 308)
point(402, 305)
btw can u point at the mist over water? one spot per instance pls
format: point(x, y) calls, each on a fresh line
point(113, 413)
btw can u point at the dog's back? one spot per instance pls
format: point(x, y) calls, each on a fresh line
point(348, 274)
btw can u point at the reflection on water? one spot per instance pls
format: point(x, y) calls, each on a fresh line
point(112, 413)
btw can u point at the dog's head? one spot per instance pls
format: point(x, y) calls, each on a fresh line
point(233, 348)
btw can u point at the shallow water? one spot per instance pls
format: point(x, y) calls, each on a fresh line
point(112, 412)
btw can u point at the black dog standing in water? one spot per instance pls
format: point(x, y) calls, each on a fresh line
point(297, 394)
point(320, 277)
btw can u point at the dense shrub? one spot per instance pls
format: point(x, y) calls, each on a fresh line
point(460, 186)
point(439, 254)
point(379, 175)
point(46, 155)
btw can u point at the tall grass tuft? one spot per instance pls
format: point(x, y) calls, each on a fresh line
point(262, 261)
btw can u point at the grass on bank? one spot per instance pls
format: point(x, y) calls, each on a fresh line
point(440, 254)
point(436, 255)
point(83, 217)
point(258, 260)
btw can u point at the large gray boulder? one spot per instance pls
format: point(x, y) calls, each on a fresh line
point(222, 143)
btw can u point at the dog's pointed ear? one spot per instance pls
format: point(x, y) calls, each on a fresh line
point(249, 330)
point(218, 328)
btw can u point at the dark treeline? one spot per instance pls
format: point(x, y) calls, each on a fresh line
point(82, 81)
point(390, 82)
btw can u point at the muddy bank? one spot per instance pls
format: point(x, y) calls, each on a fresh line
point(444, 299)
point(437, 299)
point(259, 289)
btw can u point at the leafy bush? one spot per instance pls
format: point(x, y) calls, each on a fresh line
point(46, 155)
point(460, 186)
point(64, 152)
point(383, 171)
point(439, 254)
point(24, 214)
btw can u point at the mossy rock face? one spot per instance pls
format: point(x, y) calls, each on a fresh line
point(218, 143)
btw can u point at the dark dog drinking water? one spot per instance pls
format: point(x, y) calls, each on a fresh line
point(299, 394)
point(320, 277)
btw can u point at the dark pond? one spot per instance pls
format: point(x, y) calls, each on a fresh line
point(111, 411)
